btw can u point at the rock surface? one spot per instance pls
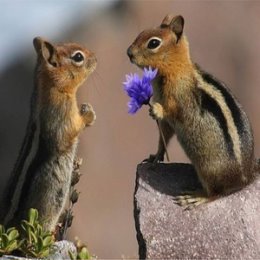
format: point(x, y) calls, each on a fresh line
point(227, 228)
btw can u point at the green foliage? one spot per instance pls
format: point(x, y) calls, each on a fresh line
point(35, 241)
point(82, 252)
point(8, 240)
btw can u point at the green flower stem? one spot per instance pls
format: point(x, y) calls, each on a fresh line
point(163, 139)
point(162, 135)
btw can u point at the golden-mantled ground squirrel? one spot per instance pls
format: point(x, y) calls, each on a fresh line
point(209, 122)
point(42, 174)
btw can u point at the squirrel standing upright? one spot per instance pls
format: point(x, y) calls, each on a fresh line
point(207, 119)
point(42, 175)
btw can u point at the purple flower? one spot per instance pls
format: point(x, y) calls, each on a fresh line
point(139, 89)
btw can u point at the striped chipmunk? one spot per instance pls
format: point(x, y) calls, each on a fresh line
point(207, 119)
point(42, 174)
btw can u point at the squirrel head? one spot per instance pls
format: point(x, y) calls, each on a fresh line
point(161, 47)
point(65, 66)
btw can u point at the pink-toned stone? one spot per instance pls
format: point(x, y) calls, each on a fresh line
point(227, 228)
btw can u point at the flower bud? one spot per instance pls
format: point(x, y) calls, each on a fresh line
point(77, 163)
point(69, 219)
point(74, 196)
point(75, 177)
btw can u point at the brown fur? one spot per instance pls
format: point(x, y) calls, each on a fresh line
point(181, 103)
point(58, 120)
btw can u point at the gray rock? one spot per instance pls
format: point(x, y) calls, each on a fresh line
point(61, 250)
point(227, 228)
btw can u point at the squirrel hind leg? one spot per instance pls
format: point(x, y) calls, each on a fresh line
point(191, 199)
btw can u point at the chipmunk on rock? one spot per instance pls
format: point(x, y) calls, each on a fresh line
point(42, 174)
point(207, 119)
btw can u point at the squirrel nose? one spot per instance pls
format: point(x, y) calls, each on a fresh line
point(130, 53)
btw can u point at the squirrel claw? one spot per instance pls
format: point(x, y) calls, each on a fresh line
point(191, 199)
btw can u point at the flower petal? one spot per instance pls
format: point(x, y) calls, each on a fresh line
point(133, 106)
point(139, 89)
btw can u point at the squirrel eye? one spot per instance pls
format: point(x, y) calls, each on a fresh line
point(78, 57)
point(154, 43)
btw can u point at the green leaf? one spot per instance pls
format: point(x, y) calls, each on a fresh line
point(5, 240)
point(39, 229)
point(31, 226)
point(13, 234)
point(44, 253)
point(23, 225)
point(48, 241)
point(40, 244)
point(84, 254)
point(12, 246)
point(33, 215)
point(32, 253)
point(27, 226)
point(34, 238)
point(21, 243)
point(10, 230)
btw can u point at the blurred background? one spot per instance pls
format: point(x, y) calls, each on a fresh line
point(224, 38)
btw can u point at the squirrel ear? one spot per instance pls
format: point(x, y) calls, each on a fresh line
point(45, 50)
point(167, 20)
point(175, 23)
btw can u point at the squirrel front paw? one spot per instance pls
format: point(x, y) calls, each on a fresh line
point(156, 111)
point(88, 114)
